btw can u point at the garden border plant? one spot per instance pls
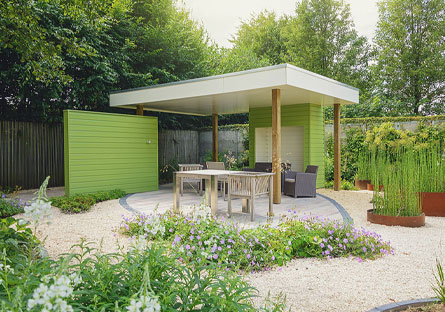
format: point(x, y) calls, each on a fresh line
point(201, 237)
point(83, 202)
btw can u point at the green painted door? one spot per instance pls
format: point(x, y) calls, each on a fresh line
point(110, 151)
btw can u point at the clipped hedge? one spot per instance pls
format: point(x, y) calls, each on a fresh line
point(83, 202)
point(379, 120)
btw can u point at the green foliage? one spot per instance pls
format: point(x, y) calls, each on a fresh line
point(370, 121)
point(404, 174)
point(16, 242)
point(83, 202)
point(113, 282)
point(203, 238)
point(439, 286)
point(10, 207)
point(409, 43)
point(230, 161)
point(350, 151)
point(166, 172)
point(344, 185)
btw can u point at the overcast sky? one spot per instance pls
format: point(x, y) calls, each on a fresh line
point(221, 18)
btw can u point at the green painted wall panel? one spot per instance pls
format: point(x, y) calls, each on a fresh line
point(310, 116)
point(108, 151)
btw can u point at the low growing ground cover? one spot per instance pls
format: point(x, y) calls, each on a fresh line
point(83, 202)
point(10, 207)
point(202, 237)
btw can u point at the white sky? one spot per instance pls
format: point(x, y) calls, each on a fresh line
point(221, 18)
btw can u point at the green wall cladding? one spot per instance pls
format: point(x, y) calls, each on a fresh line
point(110, 151)
point(310, 116)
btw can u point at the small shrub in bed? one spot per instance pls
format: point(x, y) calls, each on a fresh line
point(10, 207)
point(201, 237)
point(142, 279)
point(83, 202)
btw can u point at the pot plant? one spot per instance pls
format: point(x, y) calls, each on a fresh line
point(399, 204)
point(432, 181)
point(362, 178)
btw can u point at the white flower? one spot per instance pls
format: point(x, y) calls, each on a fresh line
point(38, 210)
point(146, 303)
point(202, 212)
point(6, 268)
point(140, 244)
point(154, 226)
point(76, 279)
point(52, 298)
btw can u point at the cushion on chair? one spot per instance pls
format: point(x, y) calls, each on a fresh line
point(289, 180)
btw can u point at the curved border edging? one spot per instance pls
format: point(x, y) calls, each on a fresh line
point(406, 221)
point(346, 216)
point(123, 203)
point(398, 306)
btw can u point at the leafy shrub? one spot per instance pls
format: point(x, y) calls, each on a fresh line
point(144, 276)
point(345, 185)
point(10, 207)
point(203, 238)
point(439, 287)
point(83, 202)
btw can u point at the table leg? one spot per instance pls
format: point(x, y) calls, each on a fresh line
point(214, 195)
point(207, 192)
point(176, 190)
point(245, 204)
point(271, 214)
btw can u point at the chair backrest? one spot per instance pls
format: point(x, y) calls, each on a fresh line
point(263, 167)
point(215, 165)
point(189, 167)
point(241, 184)
point(311, 169)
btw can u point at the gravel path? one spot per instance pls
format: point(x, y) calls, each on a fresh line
point(309, 284)
point(346, 284)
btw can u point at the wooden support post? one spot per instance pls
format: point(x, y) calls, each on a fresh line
point(337, 161)
point(276, 145)
point(140, 110)
point(215, 137)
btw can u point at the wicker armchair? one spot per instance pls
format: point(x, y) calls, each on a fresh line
point(301, 183)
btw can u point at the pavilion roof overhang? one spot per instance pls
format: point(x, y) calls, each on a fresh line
point(237, 92)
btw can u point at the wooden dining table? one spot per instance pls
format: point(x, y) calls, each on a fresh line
point(211, 179)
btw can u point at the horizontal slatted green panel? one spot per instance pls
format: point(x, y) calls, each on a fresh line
point(109, 151)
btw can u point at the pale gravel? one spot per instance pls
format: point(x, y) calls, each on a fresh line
point(309, 284)
point(347, 285)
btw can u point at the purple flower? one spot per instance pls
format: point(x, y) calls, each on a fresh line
point(229, 252)
point(364, 249)
point(315, 239)
point(187, 247)
point(322, 245)
point(330, 247)
point(327, 252)
point(170, 230)
point(273, 258)
point(248, 256)
point(192, 237)
point(345, 241)
point(215, 256)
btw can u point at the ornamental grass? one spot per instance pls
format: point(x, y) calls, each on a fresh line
point(400, 176)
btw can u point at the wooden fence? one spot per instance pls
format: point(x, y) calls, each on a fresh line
point(29, 152)
point(181, 146)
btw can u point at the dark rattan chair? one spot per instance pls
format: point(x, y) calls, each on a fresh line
point(267, 167)
point(298, 184)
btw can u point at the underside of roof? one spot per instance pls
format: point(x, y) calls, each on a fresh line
point(238, 92)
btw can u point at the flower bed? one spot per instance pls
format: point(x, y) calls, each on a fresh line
point(202, 237)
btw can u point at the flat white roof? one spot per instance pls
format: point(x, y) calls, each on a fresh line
point(237, 92)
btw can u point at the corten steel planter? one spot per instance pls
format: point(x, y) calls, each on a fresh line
point(415, 221)
point(362, 184)
point(370, 187)
point(433, 204)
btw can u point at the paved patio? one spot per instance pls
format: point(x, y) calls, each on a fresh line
point(163, 199)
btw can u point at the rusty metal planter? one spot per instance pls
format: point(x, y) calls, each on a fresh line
point(433, 204)
point(362, 184)
point(411, 221)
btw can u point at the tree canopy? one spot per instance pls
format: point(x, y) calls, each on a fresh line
point(69, 54)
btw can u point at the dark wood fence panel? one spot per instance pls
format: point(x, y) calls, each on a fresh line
point(181, 146)
point(29, 152)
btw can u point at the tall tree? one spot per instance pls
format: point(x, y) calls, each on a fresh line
point(410, 62)
point(322, 38)
point(262, 36)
